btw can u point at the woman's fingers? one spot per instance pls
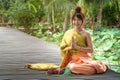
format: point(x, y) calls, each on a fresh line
point(74, 45)
point(73, 42)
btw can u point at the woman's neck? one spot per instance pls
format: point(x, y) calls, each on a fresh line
point(78, 30)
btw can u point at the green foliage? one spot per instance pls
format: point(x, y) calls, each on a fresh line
point(4, 7)
point(26, 13)
point(38, 8)
point(5, 4)
point(110, 14)
point(118, 70)
point(56, 38)
point(107, 47)
point(48, 33)
point(22, 14)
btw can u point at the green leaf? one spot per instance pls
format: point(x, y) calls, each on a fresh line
point(32, 6)
point(118, 70)
point(107, 44)
point(99, 58)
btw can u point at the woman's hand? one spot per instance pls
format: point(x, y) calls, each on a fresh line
point(73, 44)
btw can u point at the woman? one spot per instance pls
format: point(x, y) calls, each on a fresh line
point(76, 48)
point(76, 51)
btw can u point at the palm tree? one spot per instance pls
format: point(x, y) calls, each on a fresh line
point(58, 6)
point(98, 4)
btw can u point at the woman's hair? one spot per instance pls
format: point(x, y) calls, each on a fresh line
point(78, 13)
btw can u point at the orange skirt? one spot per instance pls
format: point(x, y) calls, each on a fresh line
point(85, 65)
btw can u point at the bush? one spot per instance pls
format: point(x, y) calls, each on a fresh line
point(26, 13)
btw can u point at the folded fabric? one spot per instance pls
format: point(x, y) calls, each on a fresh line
point(42, 66)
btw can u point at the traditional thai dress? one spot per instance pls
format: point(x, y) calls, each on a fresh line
point(77, 61)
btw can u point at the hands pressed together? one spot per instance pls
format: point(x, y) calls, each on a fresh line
point(73, 45)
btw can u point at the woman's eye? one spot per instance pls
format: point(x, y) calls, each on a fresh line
point(74, 19)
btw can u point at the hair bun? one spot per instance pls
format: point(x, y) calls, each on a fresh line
point(78, 9)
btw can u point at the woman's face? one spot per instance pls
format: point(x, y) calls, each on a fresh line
point(77, 23)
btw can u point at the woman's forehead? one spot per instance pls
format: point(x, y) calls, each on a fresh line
point(76, 18)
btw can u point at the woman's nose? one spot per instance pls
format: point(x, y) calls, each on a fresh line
point(77, 21)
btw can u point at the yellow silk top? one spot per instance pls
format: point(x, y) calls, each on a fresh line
point(66, 41)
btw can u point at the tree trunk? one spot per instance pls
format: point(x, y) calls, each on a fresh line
point(99, 15)
point(49, 20)
point(53, 20)
point(92, 23)
point(118, 10)
point(119, 20)
point(2, 19)
point(66, 21)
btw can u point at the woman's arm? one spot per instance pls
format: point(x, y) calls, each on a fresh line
point(89, 48)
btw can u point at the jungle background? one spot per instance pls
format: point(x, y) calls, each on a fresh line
point(49, 19)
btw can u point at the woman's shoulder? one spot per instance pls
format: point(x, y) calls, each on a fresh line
point(86, 32)
point(69, 31)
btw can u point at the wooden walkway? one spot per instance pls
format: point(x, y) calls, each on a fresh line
point(18, 48)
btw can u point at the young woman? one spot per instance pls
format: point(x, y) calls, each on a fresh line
point(76, 48)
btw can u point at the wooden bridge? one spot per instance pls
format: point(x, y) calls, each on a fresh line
point(18, 49)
